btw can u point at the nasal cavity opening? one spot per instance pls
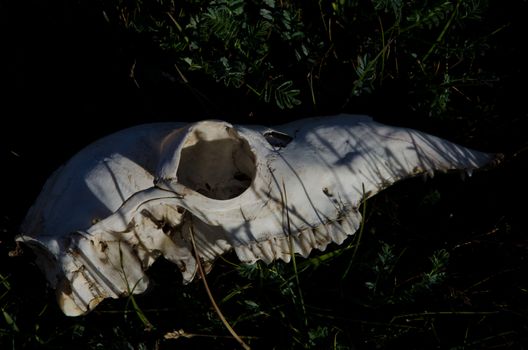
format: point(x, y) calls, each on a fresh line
point(216, 162)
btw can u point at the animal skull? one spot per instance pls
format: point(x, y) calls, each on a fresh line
point(129, 198)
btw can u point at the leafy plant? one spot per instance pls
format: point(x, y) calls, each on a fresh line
point(445, 270)
point(230, 41)
point(276, 52)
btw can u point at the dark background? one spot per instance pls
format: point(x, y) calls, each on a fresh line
point(65, 82)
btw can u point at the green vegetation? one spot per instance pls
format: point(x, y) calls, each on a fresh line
point(453, 284)
point(286, 52)
point(437, 264)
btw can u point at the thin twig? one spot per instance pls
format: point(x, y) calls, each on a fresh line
point(443, 313)
point(359, 235)
point(210, 295)
point(295, 271)
point(443, 33)
point(139, 313)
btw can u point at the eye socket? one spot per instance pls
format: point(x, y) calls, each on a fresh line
point(217, 163)
point(277, 139)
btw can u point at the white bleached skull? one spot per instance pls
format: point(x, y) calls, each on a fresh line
point(131, 197)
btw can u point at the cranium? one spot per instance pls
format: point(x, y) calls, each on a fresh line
point(266, 193)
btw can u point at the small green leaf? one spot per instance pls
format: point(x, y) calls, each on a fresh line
point(10, 321)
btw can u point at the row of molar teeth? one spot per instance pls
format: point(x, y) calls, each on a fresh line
point(301, 243)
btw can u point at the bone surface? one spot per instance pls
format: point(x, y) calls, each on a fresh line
point(265, 192)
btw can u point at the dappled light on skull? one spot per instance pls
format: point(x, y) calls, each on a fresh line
point(266, 193)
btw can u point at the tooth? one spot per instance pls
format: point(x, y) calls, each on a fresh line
point(336, 234)
point(283, 246)
point(302, 246)
point(263, 251)
point(275, 247)
point(334, 231)
point(245, 254)
point(294, 245)
point(285, 251)
point(286, 258)
point(321, 238)
point(430, 173)
point(309, 237)
point(351, 222)
point(260, 251)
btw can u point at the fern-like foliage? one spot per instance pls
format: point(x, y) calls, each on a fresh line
point(383, 288)
point(431, 17)
point(282, 52)
point(230, 41)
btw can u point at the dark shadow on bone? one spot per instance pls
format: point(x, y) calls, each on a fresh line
point(375, 155)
